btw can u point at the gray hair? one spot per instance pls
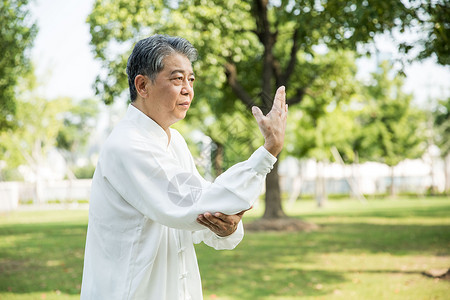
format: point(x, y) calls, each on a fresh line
point(148, 55)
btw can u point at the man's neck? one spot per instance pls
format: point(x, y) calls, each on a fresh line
point(138, 105)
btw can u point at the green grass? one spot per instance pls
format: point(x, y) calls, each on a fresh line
point(41, 254)
point(361, 251)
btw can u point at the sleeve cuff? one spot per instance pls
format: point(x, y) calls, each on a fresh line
point(262, 161)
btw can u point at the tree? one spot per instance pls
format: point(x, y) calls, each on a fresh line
point(38, 122)
point(433, 22)
point(41, 124)
point(17, 33)
point(78, 121)
point(247, 48)
point(234, 135)
point(392, 129)
point(442, 138)
point(323, 119)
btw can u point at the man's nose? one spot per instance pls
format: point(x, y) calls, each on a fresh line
point(187, 88)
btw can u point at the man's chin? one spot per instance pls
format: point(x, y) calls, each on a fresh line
point(183, 114)
point(180, 117)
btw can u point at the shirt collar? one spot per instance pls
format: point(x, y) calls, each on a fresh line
point(147, 124)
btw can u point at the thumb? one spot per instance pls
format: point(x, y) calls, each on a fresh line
point(257, 113)
point(244, 211)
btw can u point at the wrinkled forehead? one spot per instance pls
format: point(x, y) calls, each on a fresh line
point(176, 62)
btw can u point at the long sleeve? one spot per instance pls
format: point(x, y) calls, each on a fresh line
point(217, 242)
point(153, 182)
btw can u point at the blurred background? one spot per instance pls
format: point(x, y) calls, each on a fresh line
point(356, 206)
point(368, 86)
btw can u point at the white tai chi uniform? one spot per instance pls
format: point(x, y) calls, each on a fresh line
point(145, 199)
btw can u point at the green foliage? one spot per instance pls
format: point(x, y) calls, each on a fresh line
point(247, 49)
point(391, 128)
point(324, 119)
point(38, 123)
point(17, 33)
point(233, 36)
point(85, 172)
point(79, 120)
point(42, 125)
point(437, 40)
point(236, 132)
point(9, 174)
point(442, 125)
point(373, 251)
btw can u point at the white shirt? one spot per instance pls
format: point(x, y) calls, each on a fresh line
point(145, 199)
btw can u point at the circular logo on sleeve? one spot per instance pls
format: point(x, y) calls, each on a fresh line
point(184, 189)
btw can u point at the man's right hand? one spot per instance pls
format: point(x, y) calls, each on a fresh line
point(273, 125)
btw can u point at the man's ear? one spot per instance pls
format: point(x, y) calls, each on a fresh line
point(141, 84)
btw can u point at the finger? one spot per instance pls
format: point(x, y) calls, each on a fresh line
point(221, 216)
point(280, 98)
point(201, 220)
point(241, 213)
point(209, 221)
point(244, 211)
point(257, 113)
point(213, 220)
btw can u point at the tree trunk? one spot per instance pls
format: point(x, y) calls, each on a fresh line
point(37, 194)
point(433, 187)
point(273, 208)
point(218, 159)
point(392, 187)
point(447, 173)
point(321, 194)
point(273, 194)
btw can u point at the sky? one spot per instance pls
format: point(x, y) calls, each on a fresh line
point(61, 54)
point(66, 66)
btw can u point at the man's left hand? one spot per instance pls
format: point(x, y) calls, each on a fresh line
point(219, 223)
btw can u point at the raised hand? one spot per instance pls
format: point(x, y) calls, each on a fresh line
point(273, 125)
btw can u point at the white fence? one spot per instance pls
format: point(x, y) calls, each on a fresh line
point(410, 176)
point(14, 193)
point(296, 178)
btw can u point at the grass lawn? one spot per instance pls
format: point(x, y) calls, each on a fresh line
point(361, 251)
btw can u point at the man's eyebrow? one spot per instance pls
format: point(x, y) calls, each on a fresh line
point(181, 71)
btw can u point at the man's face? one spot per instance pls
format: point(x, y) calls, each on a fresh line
point(170, 95)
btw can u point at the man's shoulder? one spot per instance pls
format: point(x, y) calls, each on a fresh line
point(125, 135)
point(176, 134)
point(124, 130)
point(177, 137)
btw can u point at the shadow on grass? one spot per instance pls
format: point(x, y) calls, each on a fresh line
point(274, 263)
point(263, 264)
point(398, 210)
point(49, 256)
point(41, 257)
point(376, 238)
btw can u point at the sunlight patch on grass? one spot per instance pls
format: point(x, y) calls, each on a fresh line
point(367, 251)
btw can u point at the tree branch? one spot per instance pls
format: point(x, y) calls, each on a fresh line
point(262, 22)
point(238, 89)
point(300, 93)
point(279, 80)
point(293, 57)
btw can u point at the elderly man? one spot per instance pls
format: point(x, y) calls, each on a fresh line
point(149, 205)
